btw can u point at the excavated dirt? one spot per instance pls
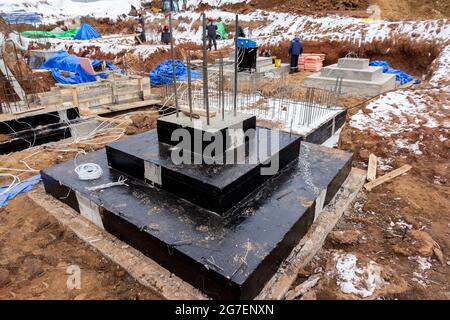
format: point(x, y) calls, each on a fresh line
point(106, 26)
point(355, 8)
point(413, 9)
point(36, 253)
point(402, 225)
point(15, 60)
point(129, 61)
point(393, 10)
point(414, 57)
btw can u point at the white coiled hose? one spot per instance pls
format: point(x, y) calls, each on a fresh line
point(89, 171)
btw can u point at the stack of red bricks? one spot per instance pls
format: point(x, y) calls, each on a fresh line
point(311, 61)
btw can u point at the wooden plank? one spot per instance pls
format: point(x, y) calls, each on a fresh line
point(145, 270)
point(29, 110)
point(138, 39)
point(131, 105)
point(103, 38)
point(372, 167)
point(75, 97)
point(310, 244)
point(370, 185)
point(105, 109)
point(200, 112)
point(114, 120)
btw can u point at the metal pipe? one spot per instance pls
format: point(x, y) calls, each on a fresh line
point(205, 71)
point(174, 76)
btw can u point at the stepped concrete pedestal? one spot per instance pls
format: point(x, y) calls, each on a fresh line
point(264, 67)
point(358, 78)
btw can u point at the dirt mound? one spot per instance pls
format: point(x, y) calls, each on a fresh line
point(37, 252)
point(413, 9)
point(355, 276)
point(414, 57)
point(319, 7)
point(107, 26)
point(306, 6)
point(4, 27)
point(142, 122)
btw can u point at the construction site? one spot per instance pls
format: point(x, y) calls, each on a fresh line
point(224, 150)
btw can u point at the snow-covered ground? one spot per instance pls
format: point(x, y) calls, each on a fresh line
point(55, 10)
point(272, 26)
point(275, 26)
point(396, 113)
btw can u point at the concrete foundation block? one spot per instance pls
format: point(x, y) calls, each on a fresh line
point(384, 83)
point(367, 74)
point(353, 63)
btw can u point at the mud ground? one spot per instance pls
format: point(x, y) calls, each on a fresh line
point(37, 255)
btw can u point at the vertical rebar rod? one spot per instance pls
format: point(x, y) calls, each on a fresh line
point(221, 82)
point(235, 66)
point(174, 76)
point(189, 83)
point(205, 70)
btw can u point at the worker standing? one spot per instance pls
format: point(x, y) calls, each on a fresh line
point(240, 32)
point(211, 31)
point(165, 34)
point(295, 50)
point(141, 28)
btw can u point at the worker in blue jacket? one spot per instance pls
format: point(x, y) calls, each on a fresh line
point(295, 50)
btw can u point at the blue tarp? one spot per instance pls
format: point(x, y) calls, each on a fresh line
point(400, 75)
point(21, 16)
point(66, 68)
point(163, 73)
point(21, 187)
point(86, 32)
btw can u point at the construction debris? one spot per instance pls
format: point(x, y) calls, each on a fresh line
point(374, 183)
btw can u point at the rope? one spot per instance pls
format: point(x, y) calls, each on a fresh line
point(89, 171)
point(15, 181)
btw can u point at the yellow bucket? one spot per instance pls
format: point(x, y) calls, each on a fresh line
point(277, 63)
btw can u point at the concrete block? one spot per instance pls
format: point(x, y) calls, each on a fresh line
point(367, 74)
point(354, 87)
point(353, 63)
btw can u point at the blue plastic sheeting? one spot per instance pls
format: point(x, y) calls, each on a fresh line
point(163, 73)
point(66, 68)
point(400, 75)
point(21, 16)
point(21, 187)
point(86, 32)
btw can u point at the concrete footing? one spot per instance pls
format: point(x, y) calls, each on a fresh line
point(358, 78)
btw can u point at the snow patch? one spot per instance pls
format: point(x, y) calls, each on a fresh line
point(54, 10)
point(443, 71)
point(352, 279)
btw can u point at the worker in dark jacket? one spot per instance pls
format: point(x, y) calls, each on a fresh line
point(295, 50)
point(141, 28)
point(211, 33)
point(165, 34)
point(241, 33)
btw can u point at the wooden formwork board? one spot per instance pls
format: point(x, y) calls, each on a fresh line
point(104, 92)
